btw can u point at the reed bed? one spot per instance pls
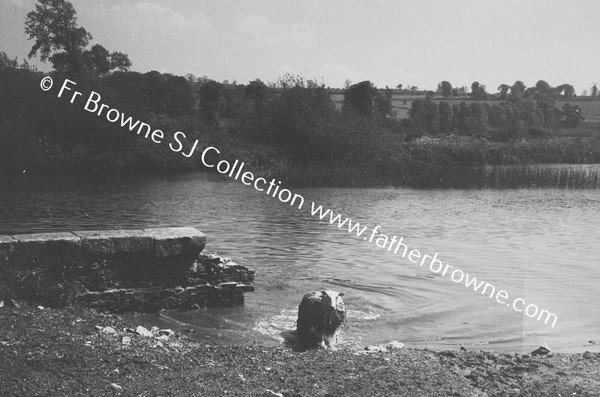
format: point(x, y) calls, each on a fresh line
point(551, 176)
point(504, 177)
point(428, 176)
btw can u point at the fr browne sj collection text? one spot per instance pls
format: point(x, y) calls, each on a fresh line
point(235, 170)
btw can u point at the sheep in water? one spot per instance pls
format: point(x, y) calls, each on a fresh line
point(320, 315)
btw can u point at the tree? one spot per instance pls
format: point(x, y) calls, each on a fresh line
point(503, 91)
point(517, 90)
point(191, 78)
point(445, 88)
point(432, 117)
point(542, 87)
point(120, 61)
point(212, 100)
point(496, 116)
point(53, 25)
point(98, 59)
point(478, 91)
point(383, 104)
point(300, 115)
point(446, 116)
point(360, 97)
point(461, 116)
point(529, 93)
point(58, 38)
point(571, 116)
point(417, 114)
point(256, 91)
point(477, 122)
point(594, 91)
point(6, 62)
point(566, 91)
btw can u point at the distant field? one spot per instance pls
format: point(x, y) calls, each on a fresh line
point(401, 105)
point(589, 109)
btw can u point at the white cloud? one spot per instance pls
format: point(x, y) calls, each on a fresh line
point(168, 18)
point(264, 32)
point(336, 74)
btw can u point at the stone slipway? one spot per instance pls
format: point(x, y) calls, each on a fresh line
point(120, 270)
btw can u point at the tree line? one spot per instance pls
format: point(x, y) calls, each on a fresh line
point(501, 121)
point(511, 93)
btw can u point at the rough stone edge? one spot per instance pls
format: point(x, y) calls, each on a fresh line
point(44, 237)
point(112, 242)
point(7, 239)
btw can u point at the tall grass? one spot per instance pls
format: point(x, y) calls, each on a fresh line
point(504, 177)
point(427, 176)
point(556, 176)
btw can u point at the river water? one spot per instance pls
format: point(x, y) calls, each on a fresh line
point(540, 245)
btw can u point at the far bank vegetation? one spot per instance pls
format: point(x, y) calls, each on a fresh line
point(295, 128)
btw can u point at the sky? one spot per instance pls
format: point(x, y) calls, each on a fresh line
point(387, 42)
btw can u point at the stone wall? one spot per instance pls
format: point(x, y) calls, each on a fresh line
point(120, 270)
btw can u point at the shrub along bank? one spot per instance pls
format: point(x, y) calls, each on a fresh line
point(290, 130)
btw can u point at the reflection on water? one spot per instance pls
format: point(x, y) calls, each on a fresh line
point(541, 245)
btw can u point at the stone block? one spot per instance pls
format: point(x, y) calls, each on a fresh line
point(8, 246)
point(175, 251)
point(179, 241)
point(57, 252)
point(120, 270)
point(114, 242)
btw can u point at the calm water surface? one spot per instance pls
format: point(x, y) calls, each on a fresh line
point(540, 245)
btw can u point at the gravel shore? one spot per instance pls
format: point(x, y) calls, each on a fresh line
point(74, 351)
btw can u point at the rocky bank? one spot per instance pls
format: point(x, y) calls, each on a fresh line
point(78, 352)
point(120, 270)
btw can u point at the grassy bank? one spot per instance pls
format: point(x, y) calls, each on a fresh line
point(63, 353)
point(454, 163)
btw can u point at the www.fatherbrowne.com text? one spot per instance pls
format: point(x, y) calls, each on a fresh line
point(397, 246)
point(236, 170)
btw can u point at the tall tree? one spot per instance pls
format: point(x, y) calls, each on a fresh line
point(542, 87)
point(446, 116)
point(566, 91)
point(478, 91)
point(256, 91)
point(503, 91)
point(517, 90)
point(360, 97)
point(571, 116)
point(212, 100)
point(383, 104)
point(445, 88)
point(6, 62)
point(53, 25)
point(98, 59)
point(432, 117)
point(58, 38)
point(417, 114)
